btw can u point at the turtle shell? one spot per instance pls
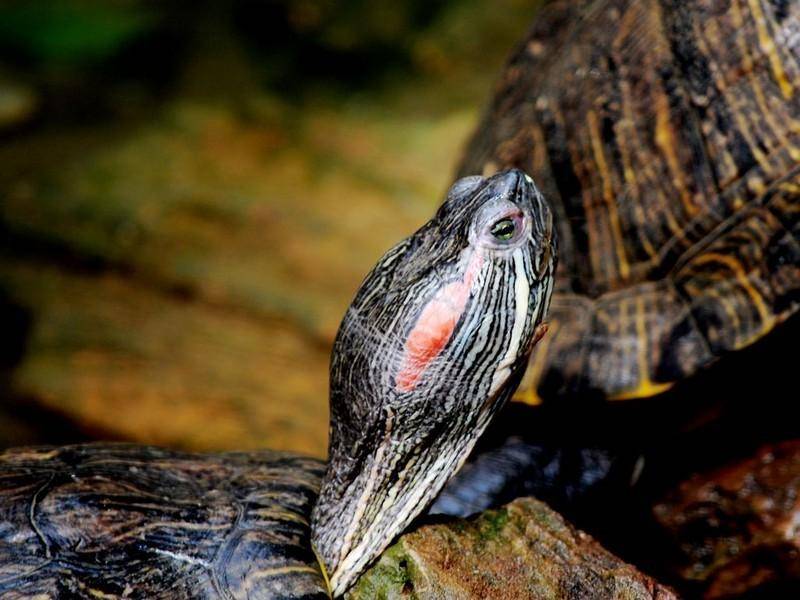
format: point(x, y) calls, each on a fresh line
point(122, 521)
point(666, 135)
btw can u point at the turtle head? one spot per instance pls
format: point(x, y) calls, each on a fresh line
point(436, 339)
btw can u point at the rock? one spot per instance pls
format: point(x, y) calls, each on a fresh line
point(524, 550)
point(737, 529)
point(131, 363)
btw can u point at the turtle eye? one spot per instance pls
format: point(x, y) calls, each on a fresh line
point(504, 229)
point(500, 225)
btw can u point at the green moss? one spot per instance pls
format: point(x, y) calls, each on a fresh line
point(391, 577)
point(492, 524)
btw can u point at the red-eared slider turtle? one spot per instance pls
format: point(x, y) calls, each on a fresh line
point(434, 342)
point(666, 136)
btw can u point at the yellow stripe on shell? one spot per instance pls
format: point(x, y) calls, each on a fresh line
point(645, 387)
point(608, 194)
point(768, 46)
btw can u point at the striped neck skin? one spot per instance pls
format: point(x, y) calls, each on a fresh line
point(435, 341)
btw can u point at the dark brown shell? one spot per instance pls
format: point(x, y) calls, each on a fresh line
point(121, 521)
point(666, 135)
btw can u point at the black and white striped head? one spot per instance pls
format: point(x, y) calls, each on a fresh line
point(436, 339)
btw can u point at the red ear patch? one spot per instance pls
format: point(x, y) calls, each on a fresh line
point(434, 328)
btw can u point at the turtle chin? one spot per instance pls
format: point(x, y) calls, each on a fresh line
point(372, 493)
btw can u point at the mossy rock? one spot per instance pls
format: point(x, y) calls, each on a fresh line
point(524, 550)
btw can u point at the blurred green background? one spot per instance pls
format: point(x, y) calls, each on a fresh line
point(192, 191)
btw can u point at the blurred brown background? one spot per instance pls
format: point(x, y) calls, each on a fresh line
point(192, 191)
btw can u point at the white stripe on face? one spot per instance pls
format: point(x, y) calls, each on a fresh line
point(521, 295)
